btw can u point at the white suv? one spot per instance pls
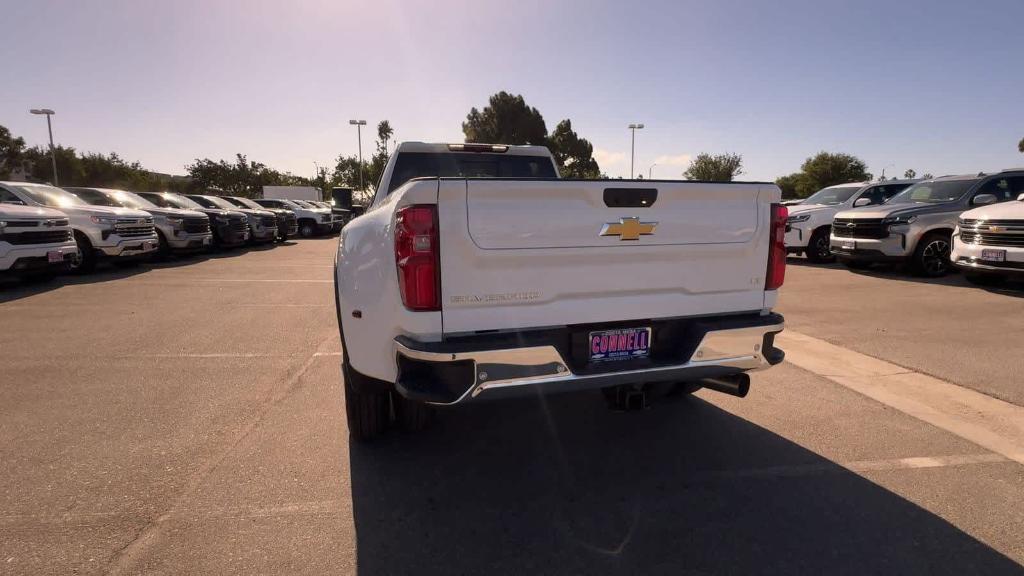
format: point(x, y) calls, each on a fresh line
point(810, 221)
point(988, 242)
point(122, 235)
point(312, 221)
point(34, 242)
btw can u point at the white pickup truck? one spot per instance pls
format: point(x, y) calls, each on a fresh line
point(476, 273)
point(35, 242)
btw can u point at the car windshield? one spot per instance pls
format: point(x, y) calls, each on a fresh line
point(411, 165)
point(245, 203)
point(131, 200)
point(50, 196)
point(176, 201)
point(213, 202)
point(221, 203)
point(831, 196)
point(933, 192)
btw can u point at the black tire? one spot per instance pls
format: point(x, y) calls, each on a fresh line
point(307, 228)
point(412, 416)
point(984, 279)
point(163, 250)
point(818, 249)
point(855, 264)
point(931, 257)
point(86, 260)
point(368, 412)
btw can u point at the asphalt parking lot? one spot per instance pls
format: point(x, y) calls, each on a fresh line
point(188, 418)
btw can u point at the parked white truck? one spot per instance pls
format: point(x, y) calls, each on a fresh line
point(119, 235)
point(476, 273)
point(35, 242)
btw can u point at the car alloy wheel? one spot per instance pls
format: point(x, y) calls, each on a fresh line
point(935, 257)
point(822, 248)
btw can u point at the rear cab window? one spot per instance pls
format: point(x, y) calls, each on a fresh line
point(411, 165)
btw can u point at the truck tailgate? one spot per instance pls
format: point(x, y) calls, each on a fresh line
point(532, 253)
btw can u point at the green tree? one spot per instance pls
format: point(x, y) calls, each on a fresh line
point(40, 169)
point(828, 169)
point(384, 133)
point(927, 176)
point(375, 168)
point(243, 177)
point(715, 167)
point(791, 185)
point(910, 174)
point(507, 119)
point(575, 155)
point(12, 152)
point(346, 172)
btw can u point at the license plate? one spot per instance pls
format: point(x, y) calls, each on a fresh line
point(206, 241)
point(621, 344)
point(851, 245)
point(993, 255)
point(54, 257)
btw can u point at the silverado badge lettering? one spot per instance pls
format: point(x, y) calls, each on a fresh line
point(506, 297)
point(629, 228)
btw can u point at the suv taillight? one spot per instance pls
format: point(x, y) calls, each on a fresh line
point(417, 254)
point(776, 274)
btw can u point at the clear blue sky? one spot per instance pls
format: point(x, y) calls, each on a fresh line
point(934, 86)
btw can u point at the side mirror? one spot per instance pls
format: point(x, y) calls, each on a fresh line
point(984, 199)
point(861, 202)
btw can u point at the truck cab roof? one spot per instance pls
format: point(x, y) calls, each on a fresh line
point(474, 147)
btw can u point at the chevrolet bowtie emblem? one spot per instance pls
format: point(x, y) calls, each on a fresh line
point(630, 228)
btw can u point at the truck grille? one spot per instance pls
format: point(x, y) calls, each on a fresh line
point(992, 232)
point(238, 224)
point(37, 223)
point(270, 221)
point(859, 228)
point(196, 225)
point(134, 228)
point(38, 237)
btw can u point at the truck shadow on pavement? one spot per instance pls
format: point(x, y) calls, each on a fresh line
point(560, 485)
point(12, 289)
point(894, 272)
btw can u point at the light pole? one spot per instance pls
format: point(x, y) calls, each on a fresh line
point(632, 148)
point(49, 128)
point(649, 170)
point(316, 177)
point(359, 135)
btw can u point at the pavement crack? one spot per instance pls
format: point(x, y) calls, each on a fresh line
point(130, 553)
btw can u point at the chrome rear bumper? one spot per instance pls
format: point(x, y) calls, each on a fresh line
point(464, 375)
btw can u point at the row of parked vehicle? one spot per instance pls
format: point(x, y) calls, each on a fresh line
point(45, 229)
point(974, 223)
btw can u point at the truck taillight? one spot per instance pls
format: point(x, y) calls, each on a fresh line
point(417, 254)
point(776, 274)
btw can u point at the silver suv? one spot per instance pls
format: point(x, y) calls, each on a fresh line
point(915, 226)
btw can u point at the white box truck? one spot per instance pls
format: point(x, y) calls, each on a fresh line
point(292, 193)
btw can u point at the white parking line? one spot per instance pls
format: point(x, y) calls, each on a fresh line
point(986, 421)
